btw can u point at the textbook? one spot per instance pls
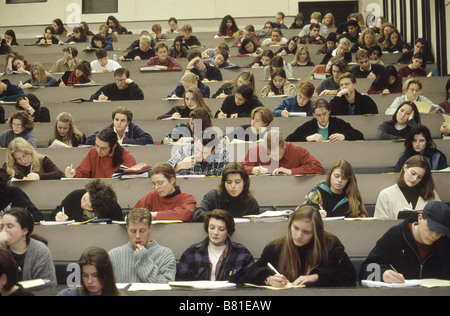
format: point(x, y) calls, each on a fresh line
point(59, 144)
point(270, 216)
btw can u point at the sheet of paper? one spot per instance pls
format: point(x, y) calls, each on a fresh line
point(202, 285)
point(408, 283)
point(149, 287)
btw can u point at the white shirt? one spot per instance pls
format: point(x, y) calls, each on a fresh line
point(112, 64)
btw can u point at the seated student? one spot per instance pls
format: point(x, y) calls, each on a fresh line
point(9, 92)
point(227, 28)
point(161, 61)
point(446, 104)
point(23, 162)
point(411, 89)
point(32, 256)
point(216, 258)
point(279, 21)
point(229, 87)
point(98, 41)
point(102, 160)
point(323, 127)
point(267, 29)
point(338, 195)
point(97, 199)
point(98, 275)
point(278, 85)
point(330, 44)
point(261, 117)
point(166, 201)
point(189, 40)
point(10, 38)
point(108, 35)
point(103, 63)
point(13, 197)
point(366, 40)
point(204, 71)
point(276, 156)
point(305, 255)
point(66, 132)
point(405, 118)
point(178, 50)
point(9, 285)
point(39, 77)
point(21, 125)
point(192, 99)
point(16, 63)
point(80, 75)
point(220, 59)
point(330, 86)
point(48, 38)
point(375, 54)
point(365, 68)
point(349, 101)
point(123, 89)
point(315, 18)
point(205, 156)
point(395, 43)
point(58, 27)
point(414, 188)
point(290, 48)
point(135, 43)
point(352, 33)
point(387, 82)
point(275, 39)
point(199, 118)
point(240, 104)
point(173, 25)
point(342, 50)
point(414, 249)
point(277, 63)
point(302, 57)
point(249, 47)
point(299, 103)
point(313, 37)
point(115, 26)
point(141, 259)
point(419, 142)
point(143, 52)
point(298, 21)
point(4, 47)
point(187, 81)
point(86, 29)
point(414, 69)
point(68, 62)
point(78, 36)
point(232, 196)
point(420, 46)
point(128, 133)
point(248, 32)
point(157, 33)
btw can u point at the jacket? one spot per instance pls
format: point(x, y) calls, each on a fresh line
point(363, 105)
point(135, 136)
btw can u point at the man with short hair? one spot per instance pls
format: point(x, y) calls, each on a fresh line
point(313, 37)
point(276, 39)
point(142, 260)
point(365, 68)
point(204, 71)
point(103, 63)
point(123, 89)
point(162, 61)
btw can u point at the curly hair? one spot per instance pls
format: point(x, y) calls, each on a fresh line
point(102, 196)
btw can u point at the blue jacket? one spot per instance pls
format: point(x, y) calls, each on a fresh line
point(136, 136)
point(12, 93)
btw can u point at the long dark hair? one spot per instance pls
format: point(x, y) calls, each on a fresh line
point(430, 147)
point(223, 25)
point(108, 135)
point(426, 185)
point(414, 107)
point(234, 168)
point(382, 81)
point(26, 221)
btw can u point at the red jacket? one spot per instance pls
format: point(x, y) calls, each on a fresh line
point(94, 167)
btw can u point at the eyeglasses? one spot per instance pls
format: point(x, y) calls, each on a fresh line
point(158, 184)
point(23, 158)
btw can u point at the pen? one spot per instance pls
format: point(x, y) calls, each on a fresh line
point(272, 268)
point(392, 267)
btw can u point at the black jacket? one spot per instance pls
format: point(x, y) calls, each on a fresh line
point(363, 105)
point(15, 197)
point(397, 247)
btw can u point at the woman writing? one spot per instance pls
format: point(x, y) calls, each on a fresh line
point(278, 85)
point(388, 82)
point(39, 77)
point(192, 99)
point(260, 119)
point(80, 75)
point(413, 190)
point(65, 131)
point(305, 255)
point(239, 104)
point(229, 87)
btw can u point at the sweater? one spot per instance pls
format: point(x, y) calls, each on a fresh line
point(387, 131)
point(92, 166)
point(48, 170)
point(154, 264)
point(229, 107)
point(237, 209)
point(9, 135)
point(176, 206)
point(399, 100)
point(12, 92)
point(132, 92)
point(391, 201)
point(397, 248)
point(406, 72)
point(210, 73)
point(15, 197)
point(363, 105)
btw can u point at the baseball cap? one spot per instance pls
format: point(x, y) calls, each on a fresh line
point(438, 217)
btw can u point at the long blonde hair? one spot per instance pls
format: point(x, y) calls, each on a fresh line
point(43, 75)
point(65, 117)
point(20, 144)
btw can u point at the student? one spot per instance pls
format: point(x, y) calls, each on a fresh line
point(98, 41)
point(277, 62)
point(16, 63)
point(261, 117)
point(143, 52)
point(387, 82)
point(233, 195)
point(276, 156)
point(204, 71)
point(278, 85)
point(48, 38)
point(128, 133)
point(279, 21)
point(239, 104)
point(323, 127)
point(32, 256)
point(216, 258)
point(108, 36)
point(80, 75)
point(302, 57)
point(173, 25)
point(189, 40)
point(184, 133)
point(227, 28)
point(413, 189)
point(366, 40)
point(161, 61)
point(299, 103)
point(123, 89)
point(65, 131)
point(352, 33)
point(305, 255)
point(275, 39)
point(315, 18)
point(205, 156)
point(420, 46)
point(39, 77)
point(142, 260)
point(415, 249)
point(78, 36)
point(9, 92)
point(248, 32)
point(328, 20)
point(115, 26)
point(58, 27)
point(330, 86)
point(395, 43)
point(446, 104)
point(192, 99)
point(23, 162)
point(419, 142)
point(187, 81)
point(365, 69)
point(229, 87)
point(290, 48)
point(298, 21)
point(330, 44)
point(97, 276)
point(68, 62)
point(248, 47)
point(405, 118)
point(10, 38)
point(411, 89)
point(267, 29)
point(97, 199)
point(86, 29)
point(103, 63)
point(414, 69)
point(313, 37)
point(21, 125)
point(338, 195)
point(178, 50)
point(342, 50)
point(349, 101)
point(32, 105)
point(102, 160)
point(4, 47)
point(157, 33)
point(9, 285)
point(166, 201)
point(220, 59)
point(375, 54)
